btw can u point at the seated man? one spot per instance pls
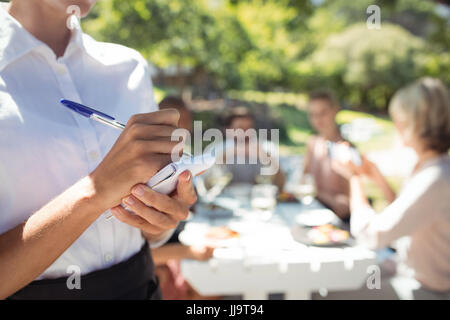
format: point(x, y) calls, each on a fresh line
point(332, 188)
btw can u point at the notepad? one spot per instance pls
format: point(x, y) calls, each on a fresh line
point(165, 180)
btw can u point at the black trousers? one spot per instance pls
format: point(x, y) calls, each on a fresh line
point(131, 279)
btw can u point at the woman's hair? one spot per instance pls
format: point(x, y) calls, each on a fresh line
point(424, 108)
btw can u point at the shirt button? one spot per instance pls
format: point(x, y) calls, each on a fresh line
point(108, 257)
point(61, 69)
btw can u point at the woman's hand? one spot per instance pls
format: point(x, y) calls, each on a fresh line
point(368, 168)
point(143, 148)
point(349, 170)
point(155, 213)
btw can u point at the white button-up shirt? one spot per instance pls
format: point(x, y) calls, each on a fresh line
point(45, 148)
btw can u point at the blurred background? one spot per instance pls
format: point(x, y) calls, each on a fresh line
point(267, 55)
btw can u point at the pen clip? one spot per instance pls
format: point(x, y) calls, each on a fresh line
point(111, 123)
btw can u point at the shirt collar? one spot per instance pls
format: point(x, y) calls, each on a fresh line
point(16, 41)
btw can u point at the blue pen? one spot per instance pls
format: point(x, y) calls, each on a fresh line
point(92, 114)
point(97, 116)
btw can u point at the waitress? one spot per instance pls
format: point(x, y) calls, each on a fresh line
point(62, 175)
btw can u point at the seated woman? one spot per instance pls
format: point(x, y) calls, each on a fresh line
point(421, 213)
point(331, 187)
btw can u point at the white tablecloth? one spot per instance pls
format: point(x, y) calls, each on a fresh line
point(266, 259)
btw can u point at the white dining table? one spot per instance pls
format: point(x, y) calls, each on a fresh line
point(266, 259)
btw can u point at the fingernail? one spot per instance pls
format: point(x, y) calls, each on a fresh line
point(187, 176)
point(138, 191)
point(129, 201)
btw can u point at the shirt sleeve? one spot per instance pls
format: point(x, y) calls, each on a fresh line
point(163, 240)
point(418, 205)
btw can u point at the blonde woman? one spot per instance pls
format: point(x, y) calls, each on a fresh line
point(420, 215)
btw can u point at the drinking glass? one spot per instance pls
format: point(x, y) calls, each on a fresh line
point(264, 200)
point(307, 189)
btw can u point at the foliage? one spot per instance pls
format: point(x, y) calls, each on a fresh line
point(240, 45)
point(284, 45)
point(367, 66)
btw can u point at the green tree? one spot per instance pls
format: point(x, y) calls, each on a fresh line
point(240, 44)
point(367, 66)
point(284, 45)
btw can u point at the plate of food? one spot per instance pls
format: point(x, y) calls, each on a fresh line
point(221, 236)
point(325, 235)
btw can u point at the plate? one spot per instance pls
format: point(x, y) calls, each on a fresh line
point(315, 217)
point(322, 236)
point(199, 236)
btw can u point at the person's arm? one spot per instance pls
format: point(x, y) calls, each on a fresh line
point(178, 251)
point(370, 170)
point(358, 199)
point(175, 251)
point(386, 189)
point(28, 249)
point(141, 150)
point(416, 207)
point(279, 179)
point(338, 203)
point(308, 157)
